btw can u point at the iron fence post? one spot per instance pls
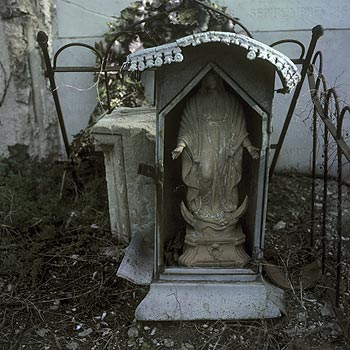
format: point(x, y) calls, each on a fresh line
point(317, 32)
point(42, 40)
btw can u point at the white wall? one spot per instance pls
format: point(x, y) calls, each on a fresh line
point(274, 20)
point(80, 21)
point(269, 20)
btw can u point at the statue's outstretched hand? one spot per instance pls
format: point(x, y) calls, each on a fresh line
point(177, 151)
point(254, 152)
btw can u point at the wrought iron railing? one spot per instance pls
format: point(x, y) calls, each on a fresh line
point(332, 120)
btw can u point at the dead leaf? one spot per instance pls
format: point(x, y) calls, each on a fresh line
point(277, 276)
point(312, 273)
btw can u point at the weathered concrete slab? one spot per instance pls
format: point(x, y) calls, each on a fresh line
point(137, 264)
point(127, 138)
point(178, 301)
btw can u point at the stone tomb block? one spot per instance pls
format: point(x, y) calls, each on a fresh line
point(127, 138)
point(214, 95)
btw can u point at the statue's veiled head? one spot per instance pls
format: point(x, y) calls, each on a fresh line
point(212, 81)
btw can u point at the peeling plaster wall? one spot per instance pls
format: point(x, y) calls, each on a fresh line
point(27, 114)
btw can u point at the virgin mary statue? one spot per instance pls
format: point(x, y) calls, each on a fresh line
point(211, 139)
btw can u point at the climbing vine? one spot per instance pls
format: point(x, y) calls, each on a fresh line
point(148, 23)
point(144, 24)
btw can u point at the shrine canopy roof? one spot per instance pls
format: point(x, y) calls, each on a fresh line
point(158, 56)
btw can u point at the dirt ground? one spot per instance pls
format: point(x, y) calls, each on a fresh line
point(58, 284)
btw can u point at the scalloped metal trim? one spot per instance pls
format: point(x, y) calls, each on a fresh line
point(155, 57)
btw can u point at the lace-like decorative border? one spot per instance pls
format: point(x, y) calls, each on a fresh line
point(169, 53)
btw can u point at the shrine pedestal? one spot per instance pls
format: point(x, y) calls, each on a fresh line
point(212, 250)
point(215, 300)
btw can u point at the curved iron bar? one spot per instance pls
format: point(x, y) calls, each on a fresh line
point(332, 92)
point(318, 55)
point(293, 41)
point(91, 48)
point(332, 129)
point(64, 47)
point(320, 79)
point(341, 117)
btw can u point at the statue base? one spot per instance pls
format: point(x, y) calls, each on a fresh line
point(175, 300)
point(212, 248)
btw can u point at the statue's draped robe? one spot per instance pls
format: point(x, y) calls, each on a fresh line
point(213, 130)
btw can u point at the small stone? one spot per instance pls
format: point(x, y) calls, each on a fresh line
point(146, 328)
point(131, 343)
point(72, 346)
point(153, 331)
point(188, 346)
point(133, 332)
point(169, 343)
point(336, 330)
point(85, 333)
point(205, 326)
point(112, 251)
point(279, 226)
point(301, 316)
point(327, 311)
point(42, 332)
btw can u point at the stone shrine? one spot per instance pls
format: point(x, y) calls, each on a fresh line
point(213, 101)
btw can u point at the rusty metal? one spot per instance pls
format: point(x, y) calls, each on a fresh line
point(292, 41)
point(325, 196)
point(147, 170)
point(321, 102)
point(42, 40)
point(317, 32)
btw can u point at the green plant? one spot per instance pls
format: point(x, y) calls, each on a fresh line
point(144, 24)
point(150, 23)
